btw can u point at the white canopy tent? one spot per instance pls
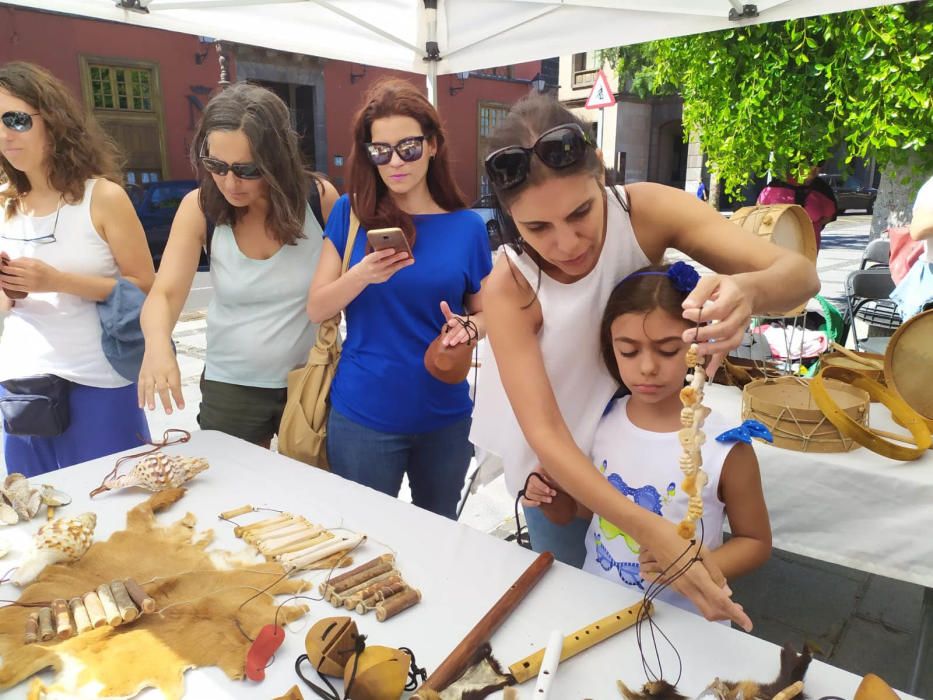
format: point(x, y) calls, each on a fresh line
point(435, 37)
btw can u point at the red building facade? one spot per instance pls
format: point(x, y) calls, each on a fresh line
point(148, 87)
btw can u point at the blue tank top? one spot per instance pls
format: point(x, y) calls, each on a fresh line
point(381, 381)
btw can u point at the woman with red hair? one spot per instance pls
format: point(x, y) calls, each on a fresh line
point(389, 416)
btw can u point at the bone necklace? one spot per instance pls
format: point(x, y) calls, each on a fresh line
point(691, 438)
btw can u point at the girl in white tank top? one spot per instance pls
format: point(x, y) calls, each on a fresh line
point(636, 445)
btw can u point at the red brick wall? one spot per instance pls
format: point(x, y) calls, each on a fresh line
point(57, 41)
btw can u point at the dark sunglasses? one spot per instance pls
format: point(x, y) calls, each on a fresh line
point(244, 171)
point(18, 121)
point(409, 149)
point(557, 148)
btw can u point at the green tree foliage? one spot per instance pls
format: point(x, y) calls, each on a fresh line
point(798, 88)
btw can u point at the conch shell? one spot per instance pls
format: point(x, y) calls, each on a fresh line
point(156, 472)
point(62, 540)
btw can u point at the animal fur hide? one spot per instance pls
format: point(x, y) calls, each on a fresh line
point(156, 649)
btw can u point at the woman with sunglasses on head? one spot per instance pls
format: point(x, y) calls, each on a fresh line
point(68, 231)
point(263, 251)
point(389, 416)
point(572, 240)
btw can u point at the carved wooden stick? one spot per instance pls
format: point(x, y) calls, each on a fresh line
point(95, 610)
point(298, 546)
point(124, 603)
point(46, 632)
point(338, 600)
point(351, 600)
point(62, 615)
point(143, 600)
point(356, 580)
point(242, 510)
point(334, 580)
point(364, 605)
point(79, 613)
point(325, 550)
point(394, 605)
point(451, 668)
point(258, 538)
point(32, 629)
point(111, 611)
point(240, 530)
point(306, 533)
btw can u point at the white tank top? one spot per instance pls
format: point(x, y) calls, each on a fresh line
point(650, 476)
point(569, 340)
point(53, 333)
point(257, 322)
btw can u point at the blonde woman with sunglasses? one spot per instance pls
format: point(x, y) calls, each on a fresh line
point(263, 250)
point(67, 233)
point(571, 241)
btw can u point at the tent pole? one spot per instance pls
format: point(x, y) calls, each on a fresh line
point(432, 53)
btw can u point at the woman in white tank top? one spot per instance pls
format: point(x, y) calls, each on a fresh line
point(67, 232)
point(263, 253)
point(576, 241)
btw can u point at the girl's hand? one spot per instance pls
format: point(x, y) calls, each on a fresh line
point(538, 490)
point(704, 586)
point(722, 300)
point(456, 333)
point(159, 374)
point(380, 265)
point(29, 275)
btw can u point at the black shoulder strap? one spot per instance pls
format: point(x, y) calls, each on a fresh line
point(314, 199)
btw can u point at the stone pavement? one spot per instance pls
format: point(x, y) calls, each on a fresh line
point(860, 622)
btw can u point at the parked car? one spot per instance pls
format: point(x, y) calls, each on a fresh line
point(851, 194)
point(485, 206)
point(156, 204)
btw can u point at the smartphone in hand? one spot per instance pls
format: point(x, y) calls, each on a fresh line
point(383, 238)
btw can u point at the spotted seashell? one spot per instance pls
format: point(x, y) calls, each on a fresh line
point(158, 471)
point(62, 540)
point(24, 499)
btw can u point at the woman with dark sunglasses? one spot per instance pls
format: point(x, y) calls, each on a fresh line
point(389, 416)
point(263, 250)
point(572, 240)
point(67, 233)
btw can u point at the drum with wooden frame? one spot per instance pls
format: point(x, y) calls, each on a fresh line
point(784, 405)
point(785, 225)
point(908, 364)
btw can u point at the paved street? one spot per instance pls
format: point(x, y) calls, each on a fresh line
point(860, 622)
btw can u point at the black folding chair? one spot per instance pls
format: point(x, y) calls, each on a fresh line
point(877, 252)
point(867, 300)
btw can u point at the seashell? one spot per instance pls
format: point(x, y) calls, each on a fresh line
point(157, 472)
point(8, 516)
point(24, 499)
point(62, 540)
point(53, 497)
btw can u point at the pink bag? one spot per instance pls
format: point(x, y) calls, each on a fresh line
point(904, 252)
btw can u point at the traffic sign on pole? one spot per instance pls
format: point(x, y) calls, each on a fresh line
point(600, 96)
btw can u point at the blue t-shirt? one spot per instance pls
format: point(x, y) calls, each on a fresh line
point(381, 381)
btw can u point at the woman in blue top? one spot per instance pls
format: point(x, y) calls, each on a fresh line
point(389, 416)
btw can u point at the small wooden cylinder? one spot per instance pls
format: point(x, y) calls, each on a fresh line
point(46, 631)
point(339, 599)
point(257, 536)
point(381, 594)
point(334, 580)
point(95, 610)
point(111, 612)
point(124, 603)
point(279, 552)
point(62, 615)
point(361, 577)
point(241, 530)
point(32, 629)
point(242, 510)
point(396, 604)
point(370, 591)
point(143, 600)
point(79, 613)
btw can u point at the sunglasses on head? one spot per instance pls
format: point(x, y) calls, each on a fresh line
point(557, 148)
point(244, 171)
point(409, 149)
point(18, 121)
